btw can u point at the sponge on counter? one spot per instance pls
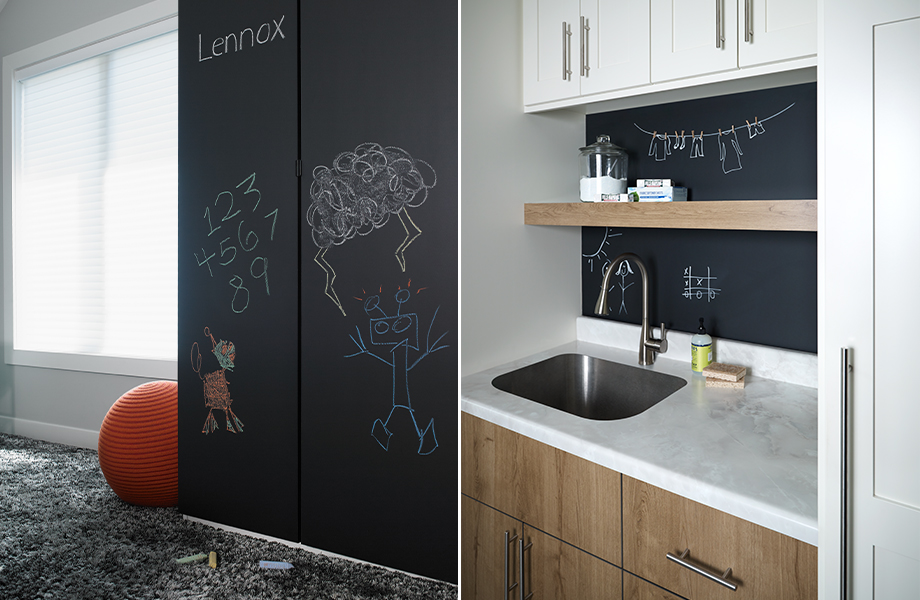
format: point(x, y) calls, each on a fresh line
point(721, 375)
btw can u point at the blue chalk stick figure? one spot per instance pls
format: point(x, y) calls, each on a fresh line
point(399, 333)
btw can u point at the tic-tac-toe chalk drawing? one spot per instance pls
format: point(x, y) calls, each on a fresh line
point(663, 144)
point(359, 193)
point(216, 386)
point(397, 334)
point(698, 287)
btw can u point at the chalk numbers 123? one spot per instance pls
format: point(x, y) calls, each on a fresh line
point(234, 224)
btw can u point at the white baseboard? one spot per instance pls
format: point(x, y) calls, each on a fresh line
point(298, 545)
point(49, 432)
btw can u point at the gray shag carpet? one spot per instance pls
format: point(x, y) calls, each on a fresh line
point(65, 534)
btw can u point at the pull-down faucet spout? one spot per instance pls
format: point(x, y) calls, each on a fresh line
point(648, 346)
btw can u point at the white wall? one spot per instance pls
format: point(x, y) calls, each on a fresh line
point(63, 406)
point(520, 285)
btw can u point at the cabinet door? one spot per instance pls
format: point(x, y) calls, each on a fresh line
point(488, 551)
point(554, 569)
point(684, 38)
point(616, 44)
point(238, 265)
point(566, 496)
point(379, 297)
point(551, 50)
point(640, 589)
point(774, 30)
point(764, 564)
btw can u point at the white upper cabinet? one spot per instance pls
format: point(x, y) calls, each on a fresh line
point(573, 48)
point(579, 51)
point(693, 37)
point(776, 30)
point(698, 37)
point(616, 44)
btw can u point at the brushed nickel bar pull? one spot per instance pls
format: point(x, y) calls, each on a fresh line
point(521, 569)
point(720, 579)
point(845, 368)
point(719, 38)
point(566, 58)
point(508, 542)
point(748, 21)
point(585, 48)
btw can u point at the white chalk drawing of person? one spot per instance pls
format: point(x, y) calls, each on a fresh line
point(397, 334)
point(358, 194)
point(623, 271)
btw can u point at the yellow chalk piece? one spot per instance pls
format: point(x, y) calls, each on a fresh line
point(212, 560)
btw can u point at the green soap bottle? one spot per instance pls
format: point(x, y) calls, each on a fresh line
point(700, 350)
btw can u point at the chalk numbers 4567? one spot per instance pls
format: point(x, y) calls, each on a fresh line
point(239, 229)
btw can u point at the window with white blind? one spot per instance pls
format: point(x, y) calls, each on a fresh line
point(90, 201)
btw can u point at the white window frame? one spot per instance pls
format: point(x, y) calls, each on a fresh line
point(149, 20)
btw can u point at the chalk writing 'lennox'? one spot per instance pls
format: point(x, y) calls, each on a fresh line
point(222, 45)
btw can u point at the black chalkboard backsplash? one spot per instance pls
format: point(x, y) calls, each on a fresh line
point(752, 286)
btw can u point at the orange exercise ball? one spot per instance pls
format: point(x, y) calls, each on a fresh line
point(139, 445)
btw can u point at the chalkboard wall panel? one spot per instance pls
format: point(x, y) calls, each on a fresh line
point(776, 158)
point(753, 286)
point(379, 117)
point(239, 264)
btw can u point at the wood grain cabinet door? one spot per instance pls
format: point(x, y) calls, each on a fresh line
point(489, 559)
point(555, 570)
point(764, 563)
point(566, 496)
point(639, 589)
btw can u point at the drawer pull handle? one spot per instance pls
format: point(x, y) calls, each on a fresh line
point(722, 580)
point(508, 542)
point(521, 568)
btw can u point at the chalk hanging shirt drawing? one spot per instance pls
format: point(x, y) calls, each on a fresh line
point(659, 148)
point(731, 158)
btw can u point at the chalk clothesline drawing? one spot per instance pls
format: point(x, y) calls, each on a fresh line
point(399, 333)
point(358, 194)
point(730, 153)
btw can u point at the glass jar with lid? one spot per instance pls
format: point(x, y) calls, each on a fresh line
point(603, 171)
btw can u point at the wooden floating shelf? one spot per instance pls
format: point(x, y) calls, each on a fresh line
point(760, 215)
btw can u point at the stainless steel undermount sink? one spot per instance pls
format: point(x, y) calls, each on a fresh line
point(590, 387)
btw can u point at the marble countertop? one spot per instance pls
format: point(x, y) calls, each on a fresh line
point(749, 452)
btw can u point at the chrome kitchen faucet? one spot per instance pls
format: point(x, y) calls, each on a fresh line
point(648, 346)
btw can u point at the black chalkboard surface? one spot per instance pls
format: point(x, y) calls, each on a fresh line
point(239, 264)
point(767, 149)
point(753, 286)
point(379, 282)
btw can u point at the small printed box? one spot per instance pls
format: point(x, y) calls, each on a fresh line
point(642, 183)
point(659, 194)
point(616, 198)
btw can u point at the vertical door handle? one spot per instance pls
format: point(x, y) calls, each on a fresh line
point(508, 542)
point(585, 60)
point(846, 366)
point(719, 38)
point(522, 547)
point(566, 52)
point(748, 20)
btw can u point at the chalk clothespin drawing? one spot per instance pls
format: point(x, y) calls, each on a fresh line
point(216, 386)
point(357, 196)
point(398, 333)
